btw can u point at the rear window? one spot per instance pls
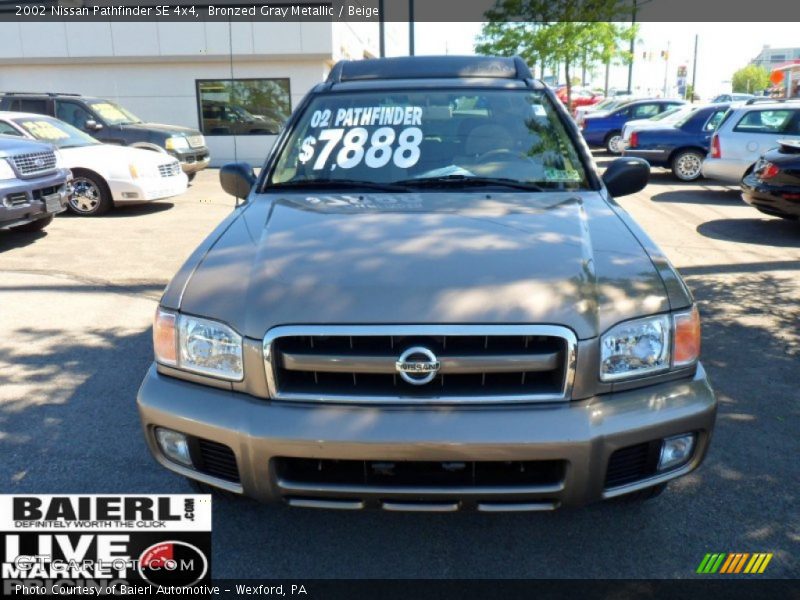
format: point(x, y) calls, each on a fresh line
point(765, 121)
point(390, 137)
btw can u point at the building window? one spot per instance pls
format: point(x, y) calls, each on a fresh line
point(243, 106)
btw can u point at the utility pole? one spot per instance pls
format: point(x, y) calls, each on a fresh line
point(666, 69)
point(411, 27)
point(381, 29)
point(633, 50)
point(694, 68)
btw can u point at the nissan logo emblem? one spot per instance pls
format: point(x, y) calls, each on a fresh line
point(417, 365)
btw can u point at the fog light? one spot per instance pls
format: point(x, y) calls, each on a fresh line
point(174, 445)
point(675, 451)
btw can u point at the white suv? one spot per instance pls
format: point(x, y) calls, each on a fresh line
point(746, 132)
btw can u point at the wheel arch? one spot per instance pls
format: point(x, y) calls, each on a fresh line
point(148, 146)
point(77, 171)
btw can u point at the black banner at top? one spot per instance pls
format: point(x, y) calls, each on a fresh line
point(399, 10)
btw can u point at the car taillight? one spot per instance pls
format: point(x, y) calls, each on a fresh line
point(716, 150)
point(634, 141)
point(768, 170)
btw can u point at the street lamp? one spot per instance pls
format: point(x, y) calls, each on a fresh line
point(635, 4)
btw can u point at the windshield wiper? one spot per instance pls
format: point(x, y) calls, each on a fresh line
point(469, 180)
point(337, 183)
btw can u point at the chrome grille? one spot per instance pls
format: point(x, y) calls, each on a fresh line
point(196, 141)
point(169, 169)
point(472, 363)
point(34, 163)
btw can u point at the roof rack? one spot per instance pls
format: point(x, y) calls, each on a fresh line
point(430, 67)
point(50, 94)
point(766, 100)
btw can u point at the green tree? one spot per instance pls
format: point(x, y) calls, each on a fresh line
point(750, 79)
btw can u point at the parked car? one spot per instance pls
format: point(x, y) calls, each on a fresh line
point(104, 175)
point(663, 119)
point(605, 130)
point(746, 132)
point(580, 97)
point(773, 185)
point(398, 317)
point(111, 123)
point(603, 107)
point(731, 98)
point(34, 185)
point(681, 146)
point(230, 119)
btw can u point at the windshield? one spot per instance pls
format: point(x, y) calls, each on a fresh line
point(410, 137)
point(113, 114)
point(56, 132)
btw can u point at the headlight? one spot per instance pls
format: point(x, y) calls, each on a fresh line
point(177, 143)
point(197, 345)
point(635, 348)
point(6, 172)
point(650, 345)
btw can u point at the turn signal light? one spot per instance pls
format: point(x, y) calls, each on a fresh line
point(687, 338)
point(164, 338)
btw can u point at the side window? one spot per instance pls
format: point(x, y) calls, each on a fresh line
point(714, 120)
point(32, 106)
point(73, 113)
point(6, 129)
point(645, 111)
point(793, 127)
point(764, 121)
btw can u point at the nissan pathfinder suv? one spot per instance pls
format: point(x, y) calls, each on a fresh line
point(429, 301)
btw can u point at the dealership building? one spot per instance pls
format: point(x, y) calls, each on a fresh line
point(235, 81)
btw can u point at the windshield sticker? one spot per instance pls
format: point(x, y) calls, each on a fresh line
point(551, 174)
point(109, 111)
point(44, 130)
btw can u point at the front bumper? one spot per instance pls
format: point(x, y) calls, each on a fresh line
point(193, 160)
point(147, 189)
point(783, 201)
point(726, 171)
point(35, 207)
point(582, 434)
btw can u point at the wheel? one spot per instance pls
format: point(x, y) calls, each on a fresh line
point(90, 195)
point(217, 493)
point(191, 176)
point(614, 142)
point(33, 226)
point(687, 165)
point(644, 495)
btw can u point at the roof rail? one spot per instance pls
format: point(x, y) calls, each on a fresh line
point(430, 67)
point(51, 94)
point(770, 100)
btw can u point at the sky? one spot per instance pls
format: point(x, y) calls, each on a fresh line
point(722, 49)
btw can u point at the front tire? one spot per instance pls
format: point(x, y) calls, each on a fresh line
point(687, 165)
point(91, 196)
point(614, 143)
point(191, 176)
point(34, 226)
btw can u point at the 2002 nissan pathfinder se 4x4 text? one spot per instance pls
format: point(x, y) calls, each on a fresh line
point(429, 301)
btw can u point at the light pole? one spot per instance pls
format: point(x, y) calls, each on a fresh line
point(411, 27)
point(635, 4)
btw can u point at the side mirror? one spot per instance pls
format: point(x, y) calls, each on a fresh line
point(626, 176)
point(93, 125)
point(237, 179)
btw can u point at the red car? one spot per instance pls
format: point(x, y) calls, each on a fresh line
point(580, 97)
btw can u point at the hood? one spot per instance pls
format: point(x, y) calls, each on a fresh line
point(11, 145)
point(111, 155)
point(555, 258)
point(160, 128)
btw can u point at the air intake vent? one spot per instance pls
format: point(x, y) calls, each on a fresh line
point(214, 459)
point(633, 463)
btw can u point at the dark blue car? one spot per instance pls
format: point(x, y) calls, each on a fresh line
point(605, 129)
point(681, 146)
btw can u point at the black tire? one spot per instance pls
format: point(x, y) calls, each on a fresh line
point(91, 196)
point(217, 493)
point(644, 495)
point(687, 165)
point(34, 226)
point(612, 142)
point(191, 176)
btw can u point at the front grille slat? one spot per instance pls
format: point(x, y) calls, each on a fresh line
point(169, 169)
point(34, 163)
point(470, 363)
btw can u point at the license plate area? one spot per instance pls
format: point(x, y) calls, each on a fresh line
point(52, 203)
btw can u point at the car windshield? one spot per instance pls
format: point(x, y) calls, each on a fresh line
point(413, 138)
point(113, 114)
point(58, 133)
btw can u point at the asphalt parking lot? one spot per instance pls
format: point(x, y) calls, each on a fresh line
point(76, 304)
